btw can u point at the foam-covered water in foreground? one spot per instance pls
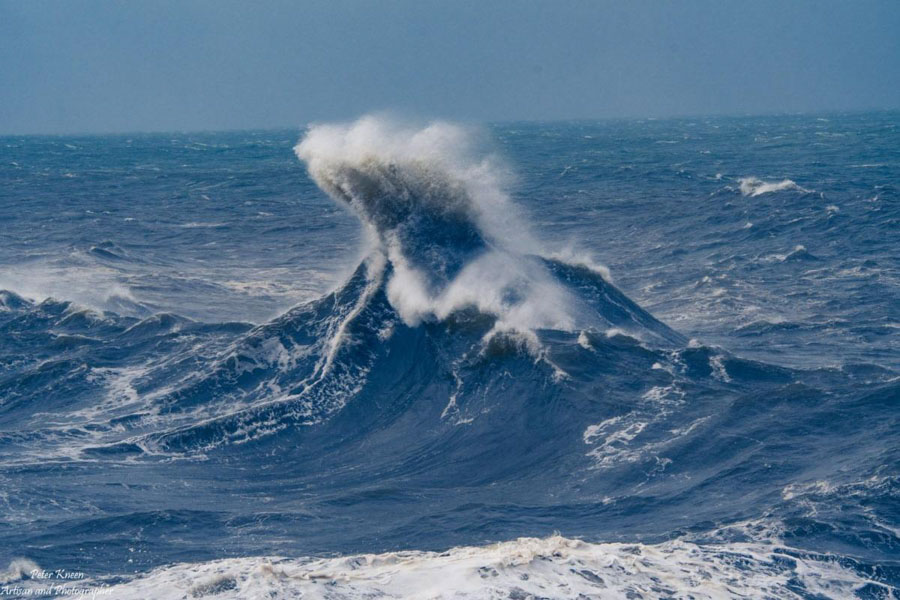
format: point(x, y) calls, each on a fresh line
point(469, 411)
point(553, 567)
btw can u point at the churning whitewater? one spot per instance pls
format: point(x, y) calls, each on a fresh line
point(474, 410)
point(436, 211)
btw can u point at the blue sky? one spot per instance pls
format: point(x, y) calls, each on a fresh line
point(103, 66)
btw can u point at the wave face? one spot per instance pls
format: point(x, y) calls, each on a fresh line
point(465, 383)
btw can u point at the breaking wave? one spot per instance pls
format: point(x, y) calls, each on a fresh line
point(753, 186)
point(435, 208)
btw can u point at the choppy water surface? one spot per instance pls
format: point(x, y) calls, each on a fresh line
point(615, 359)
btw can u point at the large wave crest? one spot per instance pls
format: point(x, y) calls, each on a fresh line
point(434, 206)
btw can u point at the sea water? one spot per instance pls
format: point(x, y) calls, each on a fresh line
point(636, 359)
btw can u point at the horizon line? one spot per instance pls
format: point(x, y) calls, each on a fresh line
point(487, 122)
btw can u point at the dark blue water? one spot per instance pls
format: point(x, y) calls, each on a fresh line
point(405, 340)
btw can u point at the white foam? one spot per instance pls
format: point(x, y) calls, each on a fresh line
point(753, 186)
point(573, 256)
point(584, 341)
point(719, 371)
point(18, 568)
point(487, 284)
point(554, 567)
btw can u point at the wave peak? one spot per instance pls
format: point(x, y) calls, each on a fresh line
point(435, 207)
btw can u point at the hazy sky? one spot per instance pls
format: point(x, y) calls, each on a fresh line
point(97, 66)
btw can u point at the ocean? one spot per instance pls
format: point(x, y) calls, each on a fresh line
point(594, 359)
